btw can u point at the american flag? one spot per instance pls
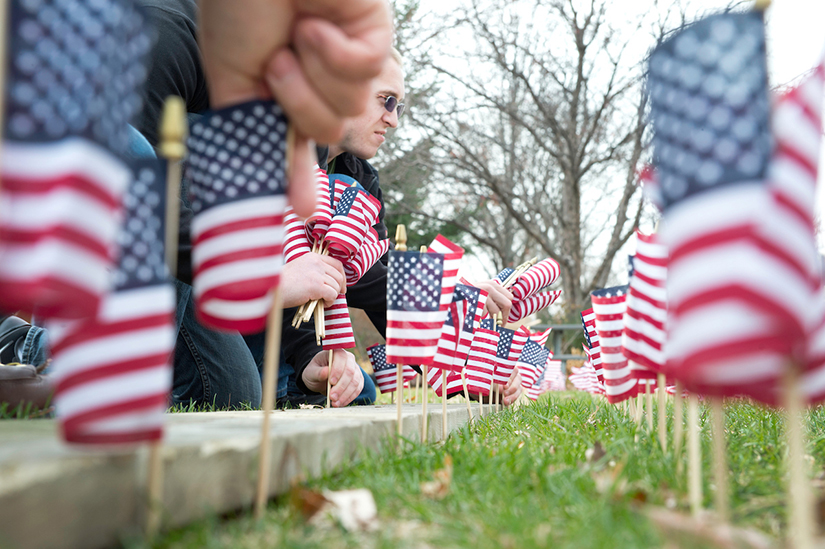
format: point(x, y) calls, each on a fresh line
point(355, 214)
point(584, 378)
point(452, 261)
point(113, 371)
point(644, 335)
point(532, 304)
point(531, 362)
point(297, 243)
point(366, 256)
point(338, 326)
point(73, 81)
point(414, 313)
point(540, 337)
point(317, 224)
point(447, 347)
point(385, 373)
point(510, 345)
point(729, 330)
point(238, 200)
point(481, 361)
point(504, 274)
point(539, 276)
point(589, 322)
point(609, 308)
point(454, 382)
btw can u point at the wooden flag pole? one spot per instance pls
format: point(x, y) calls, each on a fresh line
point(401, 246)
point(173, 134)
point(678, 425)
point(720, 459)
point(640, 408)
point(800, 501)
point(272, 350)
point(467, 397)
point(662, 411)
point(649, 403)
point(4, 60)
point(694, 457)
point(424, 411)
point(329, 378)
point(443, 404)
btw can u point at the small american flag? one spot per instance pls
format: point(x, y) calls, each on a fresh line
point(367, 255)
point(338, 326)
point(73, 81)
point(644, 335)
point(318, 223)
point(414, 313)
point(452, 261)
point(236, 165)
point(481, 361)
point(530, 363)
point(539, 276)
point(609, 307)
point(541, 337)
point(589, 322)
point(297, 243)
point(454, 382)
point(385, 373)
point(113, 371)
point(532, 304)
point(355, 214)
point(457, 331)
point(510, 345)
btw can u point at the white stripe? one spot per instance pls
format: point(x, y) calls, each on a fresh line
point(139, 420)
point(71, 155)
point(790, 124)
point(60, 208)
point(618, 390)
point(59, 259)
point(644, 307)
point(650, 271)
point(113, 390)
point(237, 310)
point(237, 241)
point(604, 309)
point(138, 303)
point(794, 182)
point(752, 368)
point(241, 210)
point(427, 351)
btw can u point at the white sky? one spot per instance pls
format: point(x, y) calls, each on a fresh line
point(795, 34)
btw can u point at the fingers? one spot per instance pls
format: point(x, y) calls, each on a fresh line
point(346, 379)
point(499, 299)
point(340, 66)
point(301, 101)
point(302, 186)
point(335, 270)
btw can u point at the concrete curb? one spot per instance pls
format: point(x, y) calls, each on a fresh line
point(52, 496)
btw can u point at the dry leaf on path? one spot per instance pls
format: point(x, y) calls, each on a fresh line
point(354, 510)
point(440, 487)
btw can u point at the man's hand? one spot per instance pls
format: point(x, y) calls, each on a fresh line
point(512, 391)
point(312, 276)
point(316, 57)
point(346, 377)
point(499, 299)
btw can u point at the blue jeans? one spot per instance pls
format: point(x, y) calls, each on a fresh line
point(211, 367)
point(288, 390)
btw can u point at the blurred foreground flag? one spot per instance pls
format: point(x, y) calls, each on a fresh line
point(73, 81)
point(737, 289)
point(113, 372)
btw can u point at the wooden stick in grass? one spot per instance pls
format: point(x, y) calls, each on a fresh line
point(800, 501)
point(272, 352)
point(173, 133)
point(466, 396)
point(720, 459)
point(660, 378)
point(678, 425)
point(649, 404)
point(694, 456)
point(401, 246)
point(443, 404)
point(424, 412)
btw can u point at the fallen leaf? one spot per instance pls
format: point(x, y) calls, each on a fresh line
point(707, 531)
point(354, 510)
point(594, 454)
point(308, 502)
point(443, 478)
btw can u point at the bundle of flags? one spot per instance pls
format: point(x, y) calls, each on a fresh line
point(529, 293)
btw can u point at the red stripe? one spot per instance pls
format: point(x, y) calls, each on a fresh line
point(240, 225)
point(241, 290)
point(61, 233)
point(68, 181)
point(73, 426)
point(240, 255)
point(114, 369)
point(53, 297)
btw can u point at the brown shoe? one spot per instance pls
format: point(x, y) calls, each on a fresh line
point(20, 385)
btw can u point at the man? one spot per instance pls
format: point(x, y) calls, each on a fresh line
point(362, 137)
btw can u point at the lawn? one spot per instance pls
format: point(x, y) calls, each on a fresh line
point(566, 471)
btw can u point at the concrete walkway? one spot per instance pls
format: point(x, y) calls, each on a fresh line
point(52, 496)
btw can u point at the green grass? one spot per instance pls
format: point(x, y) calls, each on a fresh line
point(521, 479)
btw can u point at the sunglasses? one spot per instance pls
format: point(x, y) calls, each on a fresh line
point(391, 103)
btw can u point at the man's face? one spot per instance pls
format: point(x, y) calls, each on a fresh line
point(364, 134)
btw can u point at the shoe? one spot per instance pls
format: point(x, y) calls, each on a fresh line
point(13, 332)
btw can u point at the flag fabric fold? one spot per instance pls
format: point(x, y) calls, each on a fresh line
point(532, 304)
point(531, 362)
point(539, 276)
point(481, 361)
point(609, 306)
